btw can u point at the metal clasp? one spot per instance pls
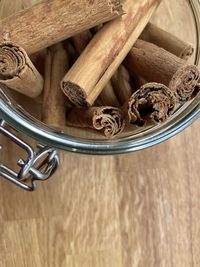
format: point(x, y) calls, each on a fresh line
point(38, 166)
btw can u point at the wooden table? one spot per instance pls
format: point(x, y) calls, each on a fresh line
point(136, 210)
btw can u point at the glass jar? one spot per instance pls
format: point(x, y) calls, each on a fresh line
point(171, 15)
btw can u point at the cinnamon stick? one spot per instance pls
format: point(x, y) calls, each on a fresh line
point(168, 41)
point(72, 54)
point(108, 96)
point(54, 103)
point(121, 83)
point(96, 28)
point(152, 103)
point(185, 83)
point(81, 40)
point(51, 21)
point(103, 55)
point(155, 64)
point(18, 72)
point(108, 120)
point(38, 60)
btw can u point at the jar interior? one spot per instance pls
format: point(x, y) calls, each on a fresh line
point(176, 17)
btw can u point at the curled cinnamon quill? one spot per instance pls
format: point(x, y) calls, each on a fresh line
point(185, 83)
point(109, 120)
point(81, 40)
point(168, 41)
point(152, 103)
point(86, 79)
point(121, 83)
point(108, 96)
point(54, 104)
point(155, 64)
point(52, 21)
point(18, 72)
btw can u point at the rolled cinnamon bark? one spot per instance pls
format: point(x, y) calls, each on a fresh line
point(38, 59)
point(121, 83)
point(185, 83)
point(168, 41)
point(108, 120)
point(54, 102)
point(52, 21)
point(72, 53)
point(155, 64)
point(18, 72)
point(152, 103)
point(103, 55)
point(97, 28)
point(81, 40)
point(108, 96)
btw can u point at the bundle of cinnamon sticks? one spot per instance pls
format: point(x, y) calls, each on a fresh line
point(97, 64)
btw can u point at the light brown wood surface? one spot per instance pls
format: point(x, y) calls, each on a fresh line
point(136, 210)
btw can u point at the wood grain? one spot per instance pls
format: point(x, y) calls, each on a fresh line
point(134, 210)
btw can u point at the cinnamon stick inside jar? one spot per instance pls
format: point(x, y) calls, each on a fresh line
point(152, 103)
point(54, 102)
point(52, 21)
point(185, 83)
point(155, 64)
point(81, 40)
point(38, 59)
point(103, 55)
point(168, 41)
point(17, 71)
point(121, 82)
point(108, 120)
point(108, 96)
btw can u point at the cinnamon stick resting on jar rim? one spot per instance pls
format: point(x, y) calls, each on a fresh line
point(155, 64)
point(18, 72)
point(108, 120)
point(52, 21)
point(168, 41)
point(91, 72)
point(152, 103)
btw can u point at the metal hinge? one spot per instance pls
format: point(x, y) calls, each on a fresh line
point(38, 166)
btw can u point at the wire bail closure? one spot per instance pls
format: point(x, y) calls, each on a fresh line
point(38, 166)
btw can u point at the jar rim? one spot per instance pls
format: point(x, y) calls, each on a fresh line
point(23, 122)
